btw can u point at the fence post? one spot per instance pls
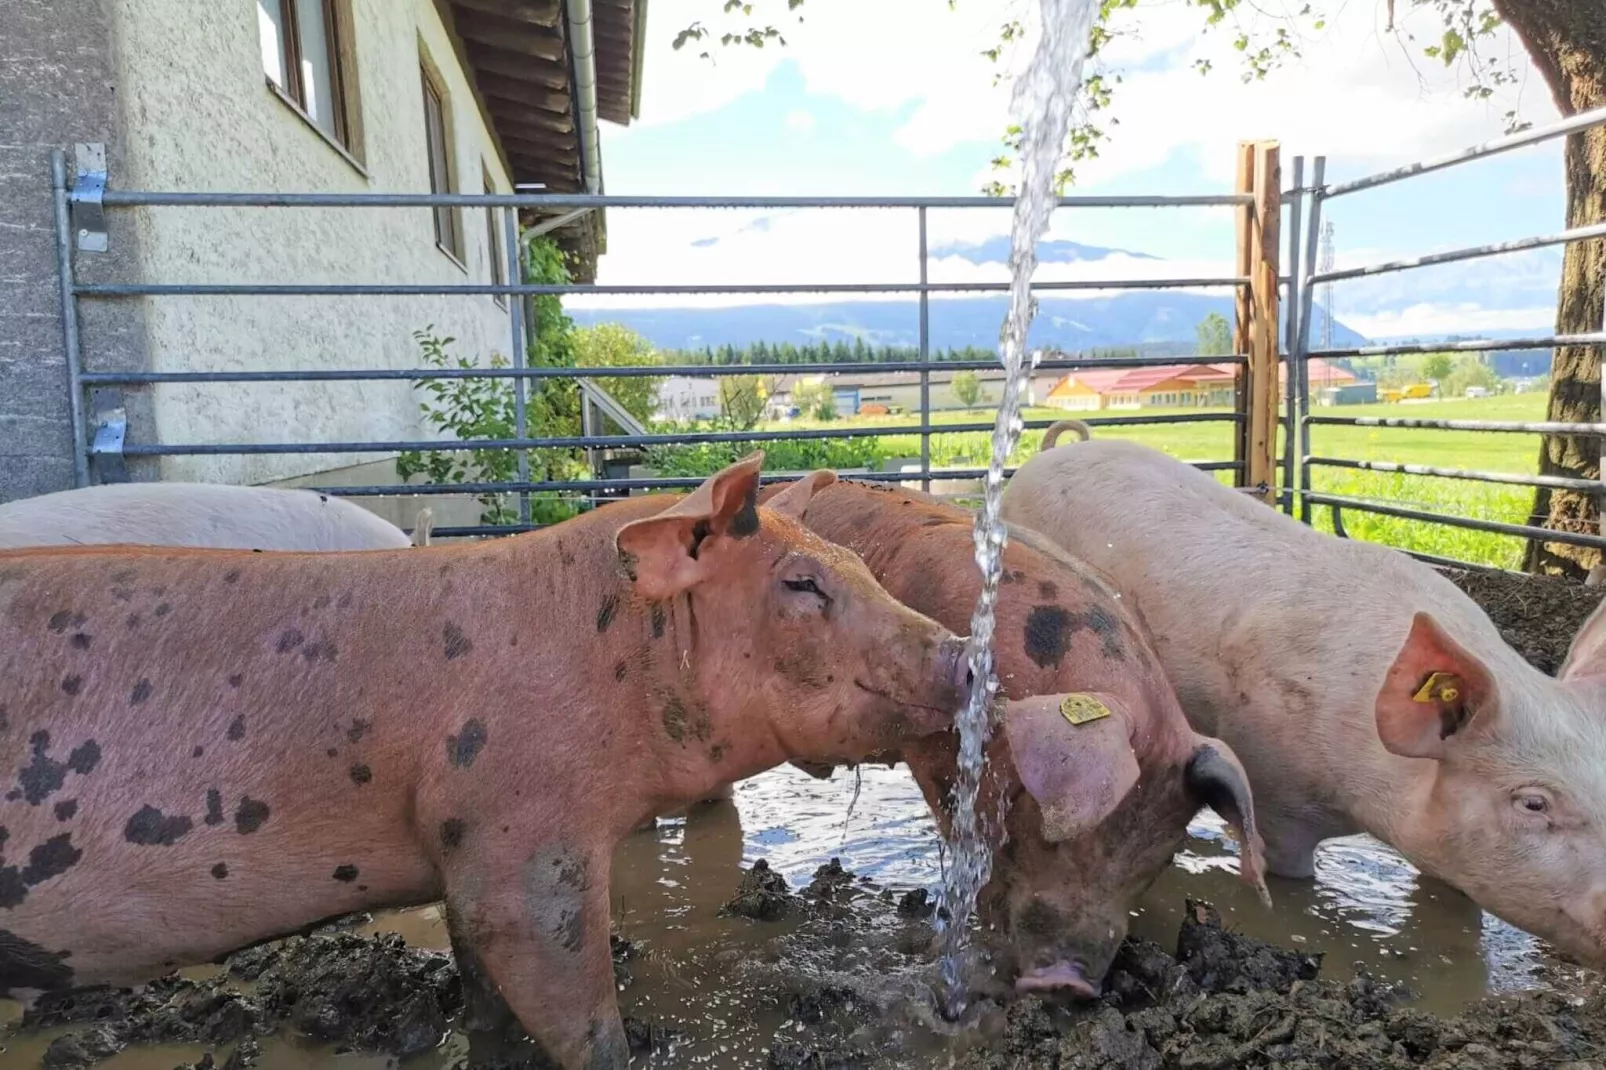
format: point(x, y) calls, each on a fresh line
point(1264, 351)
point(1241, 328)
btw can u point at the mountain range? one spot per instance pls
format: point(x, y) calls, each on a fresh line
point(1162, 320)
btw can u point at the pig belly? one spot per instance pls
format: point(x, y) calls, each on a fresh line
point(100, 882)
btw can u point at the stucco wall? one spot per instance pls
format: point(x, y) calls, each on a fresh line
point(56, 88)
point(201, 117)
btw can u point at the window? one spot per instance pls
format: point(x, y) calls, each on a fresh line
point(493, 242)
point(440, 172)
point(301, 57)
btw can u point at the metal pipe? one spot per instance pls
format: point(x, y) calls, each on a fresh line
point(1542, 427)
point(1290, 338)
point(1299, 359)
point(617, 441)
point(1553, 482)
point(170, 289)
point(69, 318)
point(385, 490)
point(703, 371)
point(549, 201)
point(1521, 531)
point(1471, 252)
point(925, 356)
point(583, 54)
point(515, 271)
point(1480, 345)
point(1455, 562)
point(1582, 121)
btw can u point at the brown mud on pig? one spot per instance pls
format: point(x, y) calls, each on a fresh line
point(208, 748)
point(1096, 805)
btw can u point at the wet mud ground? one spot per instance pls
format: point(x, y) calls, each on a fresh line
point(722, 960)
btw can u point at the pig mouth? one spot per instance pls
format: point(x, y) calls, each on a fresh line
point(901, 701)
point(1067, 977)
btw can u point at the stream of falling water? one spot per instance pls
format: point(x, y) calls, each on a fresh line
point(1042, 102)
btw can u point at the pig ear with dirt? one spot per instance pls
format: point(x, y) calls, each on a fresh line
point(1431, 693)
point(662, 553)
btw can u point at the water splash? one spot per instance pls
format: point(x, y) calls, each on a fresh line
point(1042, 102)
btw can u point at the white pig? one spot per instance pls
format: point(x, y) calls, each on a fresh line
point(1362, 691)
point(197, 514)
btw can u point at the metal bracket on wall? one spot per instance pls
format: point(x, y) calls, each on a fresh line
point(111, 428)
point(89, 182)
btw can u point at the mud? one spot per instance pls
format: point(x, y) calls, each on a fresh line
point(1537, 615)
point(1224, 1001)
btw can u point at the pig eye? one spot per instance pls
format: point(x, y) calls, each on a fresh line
point(1532, 802)
point(804, 585)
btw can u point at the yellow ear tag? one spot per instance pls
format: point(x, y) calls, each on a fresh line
point(1439, 687)
point(1081, 709)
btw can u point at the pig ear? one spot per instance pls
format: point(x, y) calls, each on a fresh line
point(794, 498)
point(1216, 778)
point(1074, 755)
point(661, 553)
point(1587, 655)
point(1433, 689)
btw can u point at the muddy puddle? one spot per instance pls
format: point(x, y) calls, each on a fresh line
point(818, 966)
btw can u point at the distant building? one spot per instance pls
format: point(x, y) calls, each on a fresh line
point(684, 398)
point(897, 391)
point(1168, 386)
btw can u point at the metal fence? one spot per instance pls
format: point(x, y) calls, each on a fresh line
point(1310, 201)
point(80, 205)
point(82, 199)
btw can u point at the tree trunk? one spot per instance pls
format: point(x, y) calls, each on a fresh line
point(1567, 40)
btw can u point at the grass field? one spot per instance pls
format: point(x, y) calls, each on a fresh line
point(1517, 453)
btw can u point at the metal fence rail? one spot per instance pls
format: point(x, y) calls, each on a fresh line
point(1309, 203)
point(80, 203)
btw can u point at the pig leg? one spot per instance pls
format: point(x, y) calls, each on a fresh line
point(537, 925)
point(487, 1019)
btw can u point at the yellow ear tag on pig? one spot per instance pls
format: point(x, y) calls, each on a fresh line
point(1439, 687)
point(1081, 709)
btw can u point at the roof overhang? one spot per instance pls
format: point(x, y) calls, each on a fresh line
point(519, 56)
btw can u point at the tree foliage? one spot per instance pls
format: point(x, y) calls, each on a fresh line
point(486, 408)
point(814, 400)
point(1214, 335)
point(966, 386)
point(613, 345)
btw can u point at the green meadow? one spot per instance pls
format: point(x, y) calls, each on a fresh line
point(1495, 452)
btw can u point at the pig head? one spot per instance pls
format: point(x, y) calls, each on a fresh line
point(1511, 797)
point(1092, 764)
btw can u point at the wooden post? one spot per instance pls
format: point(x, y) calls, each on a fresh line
point(1264, 352)
point(1241, 330)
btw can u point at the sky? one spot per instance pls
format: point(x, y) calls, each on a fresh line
point(894, 97)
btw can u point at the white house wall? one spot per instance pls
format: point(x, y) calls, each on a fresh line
point(201, 117)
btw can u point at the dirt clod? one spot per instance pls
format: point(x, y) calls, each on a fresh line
point(762, 896)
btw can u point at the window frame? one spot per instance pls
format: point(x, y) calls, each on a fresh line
point(293, 92)
point(495, 249)
point(448, 225)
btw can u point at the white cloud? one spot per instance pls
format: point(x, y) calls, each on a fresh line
point(1359, 91)
point(827, 246)
point(798, 119)
point(1440, 319)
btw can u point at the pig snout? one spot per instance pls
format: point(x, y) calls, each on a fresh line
point(1064, 977)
